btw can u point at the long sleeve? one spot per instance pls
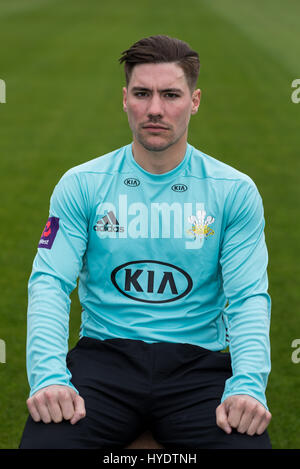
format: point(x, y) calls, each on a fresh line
point(54, 276)
point(244, 261)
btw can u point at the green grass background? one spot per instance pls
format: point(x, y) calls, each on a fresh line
point(59, 59)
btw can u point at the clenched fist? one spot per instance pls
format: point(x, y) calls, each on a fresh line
point(244, 413)
point(55, 403)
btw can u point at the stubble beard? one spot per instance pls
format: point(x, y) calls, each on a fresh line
point(156, 147)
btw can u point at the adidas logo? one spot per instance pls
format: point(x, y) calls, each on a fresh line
point(109, 223)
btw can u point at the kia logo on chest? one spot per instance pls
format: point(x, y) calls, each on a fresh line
point(132, 182)
point(151, 281)
point(179, 188)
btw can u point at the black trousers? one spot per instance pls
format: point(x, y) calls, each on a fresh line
point(130, 385)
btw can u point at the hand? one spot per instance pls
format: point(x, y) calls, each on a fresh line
point(55, 403)
point(244, 413)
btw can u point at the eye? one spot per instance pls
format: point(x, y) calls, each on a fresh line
point(172, 95)
point(141, 94)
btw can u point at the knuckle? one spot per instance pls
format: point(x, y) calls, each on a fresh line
point(243, 402)
point(29, 402)
point(220, 419)
point(261, 412)
point(38, 399)
point(254, 409)
point(63, 394)
point(49, 395)
point(231, 422)
point(80, 414)
point(250, 408)
point(268, 417)
point(253, 406)
point(240, 404)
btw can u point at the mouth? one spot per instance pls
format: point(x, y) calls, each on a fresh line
point(154, 128)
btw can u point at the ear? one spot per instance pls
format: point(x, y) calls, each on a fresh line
point(196, 97)
point(125, 99)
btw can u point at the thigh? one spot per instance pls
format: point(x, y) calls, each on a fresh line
point(195, 427)
point(189, 396)
point(63, 435)
point(112, 414)
point(116, 427)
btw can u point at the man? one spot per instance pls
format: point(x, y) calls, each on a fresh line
point(168, 244)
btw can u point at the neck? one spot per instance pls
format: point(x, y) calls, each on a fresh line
point(159, 162)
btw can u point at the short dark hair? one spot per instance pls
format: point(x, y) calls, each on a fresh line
point(162, 49)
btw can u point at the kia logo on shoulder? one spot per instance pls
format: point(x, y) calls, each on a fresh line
point(151, 281)
point(179, 188)
point(132, 182)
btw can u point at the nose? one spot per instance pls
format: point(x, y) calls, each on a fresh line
point(155, 109)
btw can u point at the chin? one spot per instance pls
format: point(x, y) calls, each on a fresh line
point(155, 146)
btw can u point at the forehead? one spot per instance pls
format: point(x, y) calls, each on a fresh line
point(158, 76)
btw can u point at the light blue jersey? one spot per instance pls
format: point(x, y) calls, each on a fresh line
point(174, 257)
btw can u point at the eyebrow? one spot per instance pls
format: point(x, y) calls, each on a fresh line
point(165, 90)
